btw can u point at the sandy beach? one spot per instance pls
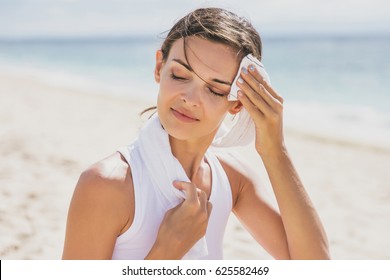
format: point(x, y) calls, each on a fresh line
point(49, 134)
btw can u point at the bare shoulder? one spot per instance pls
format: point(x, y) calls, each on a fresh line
point(235, 165)
point(106, 188)
point(240, 174)
point(102, 207)
point(110, 174)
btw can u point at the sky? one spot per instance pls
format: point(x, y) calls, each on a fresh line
point(94, 18)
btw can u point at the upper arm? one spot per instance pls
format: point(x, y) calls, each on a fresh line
point(261, 220)
point(102, 205)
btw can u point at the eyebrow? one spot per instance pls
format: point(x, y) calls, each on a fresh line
point(189, 68)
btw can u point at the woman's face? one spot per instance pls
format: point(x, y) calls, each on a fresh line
point(192, 100)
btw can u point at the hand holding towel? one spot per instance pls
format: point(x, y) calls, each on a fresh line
point(242, 131)
point(163, 168)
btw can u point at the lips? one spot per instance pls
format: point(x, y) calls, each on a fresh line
point(184, 115)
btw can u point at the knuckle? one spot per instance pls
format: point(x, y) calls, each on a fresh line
point(259, 87)
point(201, 192)
point(253, 108)
point(204, 230)
point(279, 107)
point(265, 81)
point(203, 216)
point(192, 206)
point(274, 117)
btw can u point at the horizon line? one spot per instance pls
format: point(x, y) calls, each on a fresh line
point(153, 37)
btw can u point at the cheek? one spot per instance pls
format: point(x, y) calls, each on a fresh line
point(167, 87)
point(164, 92)
point(216, 114)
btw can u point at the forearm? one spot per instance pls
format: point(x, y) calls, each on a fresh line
point(305, 234)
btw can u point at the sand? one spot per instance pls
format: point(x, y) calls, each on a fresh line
point(50, 133)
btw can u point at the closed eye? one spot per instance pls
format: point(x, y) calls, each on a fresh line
point(216, 93)
point(178, 78)
point(173, 76)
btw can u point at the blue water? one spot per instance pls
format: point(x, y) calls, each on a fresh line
point(334, 70)
point(336, 83)
point(354, 71)
point(121, 61)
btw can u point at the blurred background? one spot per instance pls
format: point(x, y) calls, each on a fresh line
point(337, 49)
point(328, 59)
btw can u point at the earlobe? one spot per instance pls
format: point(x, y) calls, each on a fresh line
point(159, 63)
point(236, 107)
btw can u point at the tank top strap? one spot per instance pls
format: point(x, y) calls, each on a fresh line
point(221, 185)
point(221, 199)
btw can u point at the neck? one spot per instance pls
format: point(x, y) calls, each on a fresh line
point(190, 155)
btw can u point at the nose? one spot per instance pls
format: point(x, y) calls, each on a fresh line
point(191, 96)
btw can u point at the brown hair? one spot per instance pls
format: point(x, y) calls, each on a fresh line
point(217, 25)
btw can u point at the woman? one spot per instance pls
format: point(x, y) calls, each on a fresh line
point(120, 209)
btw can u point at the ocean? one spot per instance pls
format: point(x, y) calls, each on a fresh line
point(335, 87)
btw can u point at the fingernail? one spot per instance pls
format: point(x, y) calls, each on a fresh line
point(240, 80)
point(243, 70)
point(239, 94)
point(251, 68)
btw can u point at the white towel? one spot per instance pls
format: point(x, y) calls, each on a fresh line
point(163, 168)
point(242, 130)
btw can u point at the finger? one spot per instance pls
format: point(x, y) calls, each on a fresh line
point(247, 103)
point(258, 87)
point(265, 83)
point(202, 199)
point(254, 97)
point(188, 188)
point(252, 109)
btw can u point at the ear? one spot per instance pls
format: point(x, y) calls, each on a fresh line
point(158, 67)
point(235, 107)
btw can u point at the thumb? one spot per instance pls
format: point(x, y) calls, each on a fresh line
point(187, 187)
point(180, 185)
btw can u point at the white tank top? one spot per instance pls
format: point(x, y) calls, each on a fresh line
point(136, 242)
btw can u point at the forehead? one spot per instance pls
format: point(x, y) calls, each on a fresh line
point(207, 58)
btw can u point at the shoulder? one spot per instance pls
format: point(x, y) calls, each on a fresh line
point(240, 174)
point(233, 164)
point(109, 174)
point(106, 188)
point(101, 209)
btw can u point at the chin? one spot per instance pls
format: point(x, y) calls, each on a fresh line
point(179, 132)
point(184, 131)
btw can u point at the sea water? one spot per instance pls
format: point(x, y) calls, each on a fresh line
point(335, 87)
